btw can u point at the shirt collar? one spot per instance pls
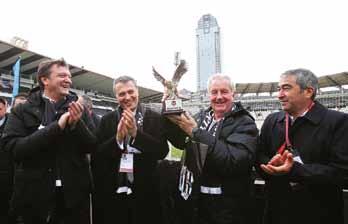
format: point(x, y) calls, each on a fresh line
point(314, 115)
point(302, 115)
point(211, 113)
point(46, 97)
point(50, 99)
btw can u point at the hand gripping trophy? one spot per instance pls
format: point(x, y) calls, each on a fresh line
point(173, 103)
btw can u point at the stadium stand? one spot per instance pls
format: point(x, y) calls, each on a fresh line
point(261, 106)
point(97, 86)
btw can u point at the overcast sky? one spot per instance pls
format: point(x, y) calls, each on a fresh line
point(260, 39)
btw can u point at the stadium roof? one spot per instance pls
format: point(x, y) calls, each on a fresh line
point(335, 80)
point(82, 78)
point(88, 80)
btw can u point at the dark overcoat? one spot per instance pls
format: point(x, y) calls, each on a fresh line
point(41, 153)
point(312, 191)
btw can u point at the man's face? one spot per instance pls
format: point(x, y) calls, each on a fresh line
point(58, 83)
point(127, 95)
point(2, 110)
point(221, 96)
point(291, 97)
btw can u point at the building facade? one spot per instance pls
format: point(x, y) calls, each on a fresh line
point(208, 50)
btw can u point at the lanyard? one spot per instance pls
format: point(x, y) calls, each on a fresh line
point(287, 144)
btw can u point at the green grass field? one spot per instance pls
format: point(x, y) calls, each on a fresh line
point(176, 153)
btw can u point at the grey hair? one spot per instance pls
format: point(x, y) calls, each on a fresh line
point(124, 79)
point(223, 77)
point(305, 79)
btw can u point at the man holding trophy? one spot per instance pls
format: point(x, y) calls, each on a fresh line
point(219, 150)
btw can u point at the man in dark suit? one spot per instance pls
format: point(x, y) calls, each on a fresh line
point(130, 141)
point(302, 155)
point(6, 164)
point(6, 169)
point(49, 137)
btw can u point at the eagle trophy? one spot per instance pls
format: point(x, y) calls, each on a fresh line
point(172, 85)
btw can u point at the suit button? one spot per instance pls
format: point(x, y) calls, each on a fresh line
point(50, 170)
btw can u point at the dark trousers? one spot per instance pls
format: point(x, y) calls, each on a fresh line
point(60, 214)
point(118, 209)
point(6, 216)
point(6, 188)
point(221, 209)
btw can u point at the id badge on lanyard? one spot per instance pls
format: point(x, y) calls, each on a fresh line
point(126, 163)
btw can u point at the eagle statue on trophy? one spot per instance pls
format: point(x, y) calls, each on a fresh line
point(172, 85)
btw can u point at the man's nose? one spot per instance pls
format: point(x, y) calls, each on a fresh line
point(281, 94)
point(219, 95)
point(68, 79)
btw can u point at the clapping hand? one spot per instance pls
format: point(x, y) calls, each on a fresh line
point(121, 130)
point(71, 117)
point(130, 122)
point(280, 164)
point(75, 110)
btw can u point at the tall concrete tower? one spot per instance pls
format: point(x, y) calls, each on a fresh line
point(208, 50)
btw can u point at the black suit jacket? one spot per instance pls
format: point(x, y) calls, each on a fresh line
point(151, 141)
point(41, 153)
point(6, 166)
point(320, 138)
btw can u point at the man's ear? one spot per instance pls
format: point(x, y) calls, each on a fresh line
point(309, 92)
point(44, 80)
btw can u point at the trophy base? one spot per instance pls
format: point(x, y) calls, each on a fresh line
point(172, 107)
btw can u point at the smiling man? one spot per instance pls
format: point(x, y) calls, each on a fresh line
point(219, 145)
point(302, 155)
point(49, 137)
point(130, 141)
